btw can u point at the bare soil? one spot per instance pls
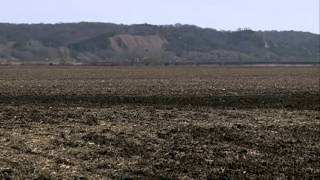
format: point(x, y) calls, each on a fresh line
point(159, 122)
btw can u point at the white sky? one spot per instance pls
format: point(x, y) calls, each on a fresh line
point(301, 15)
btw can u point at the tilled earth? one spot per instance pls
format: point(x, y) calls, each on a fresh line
point(159, 123)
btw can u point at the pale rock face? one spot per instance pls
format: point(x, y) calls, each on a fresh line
point(131, 43)
point(266, 45)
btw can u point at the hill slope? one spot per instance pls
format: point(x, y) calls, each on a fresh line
point(107, 43)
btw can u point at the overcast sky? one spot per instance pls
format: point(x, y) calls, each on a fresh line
point(302, 15)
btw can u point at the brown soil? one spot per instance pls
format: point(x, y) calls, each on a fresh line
point(159, 123)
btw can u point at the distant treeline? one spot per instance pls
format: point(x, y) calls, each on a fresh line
point(113, 44)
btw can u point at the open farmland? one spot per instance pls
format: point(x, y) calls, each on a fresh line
point(182, 122)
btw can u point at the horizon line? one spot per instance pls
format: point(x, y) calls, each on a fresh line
point(176, 24)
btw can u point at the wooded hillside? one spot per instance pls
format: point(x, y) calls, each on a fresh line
point(106, 43)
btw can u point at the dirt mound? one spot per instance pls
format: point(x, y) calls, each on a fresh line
point(131, 43)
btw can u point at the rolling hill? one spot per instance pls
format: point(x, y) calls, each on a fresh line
point(106, 43)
